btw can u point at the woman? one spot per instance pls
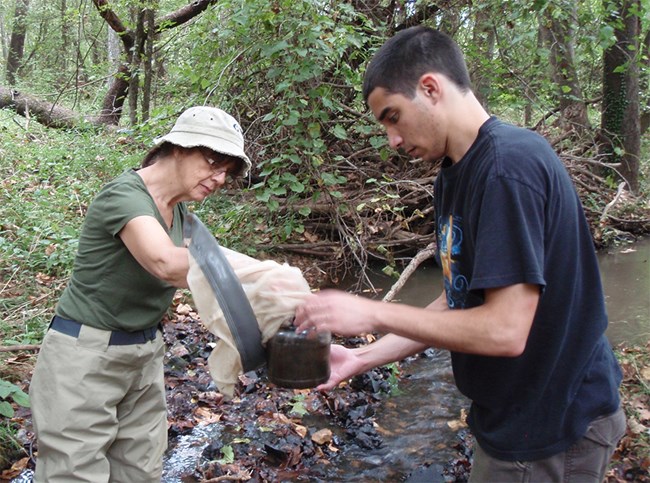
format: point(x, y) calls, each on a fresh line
point(97, 393)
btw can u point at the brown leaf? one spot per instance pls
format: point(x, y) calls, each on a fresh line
point(295, 456)
point(184, 309)
point(310, 237)
point(15, 470)
point(206, 415)
point(645, 373)
point(322, 436)
point(300, 429)
point(456, 424)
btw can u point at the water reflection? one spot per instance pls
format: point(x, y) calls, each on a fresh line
point(414, 424)
point(625, 272)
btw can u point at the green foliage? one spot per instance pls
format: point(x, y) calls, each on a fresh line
point(298, 405)
point(49, 178)
point(393, 378)
point(294, 70)
point(45, 191)
point(291, 71)
point(235, 222)
point(10, 448)
point(227, 455)
point(9, 391)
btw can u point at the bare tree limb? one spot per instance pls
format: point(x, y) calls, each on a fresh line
point(422, 255)
point(619, 192)
point(183, 15)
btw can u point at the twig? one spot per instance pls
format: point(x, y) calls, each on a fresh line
point(619, 192)
point(16, 348)
point(415, 262)
point(244, 475)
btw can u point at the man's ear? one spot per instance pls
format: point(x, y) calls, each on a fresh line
point(430, 85)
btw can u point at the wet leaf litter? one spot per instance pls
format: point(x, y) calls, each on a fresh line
point(268, 433)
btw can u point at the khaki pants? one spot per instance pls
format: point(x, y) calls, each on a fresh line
point(584, 461)
point(99, 411)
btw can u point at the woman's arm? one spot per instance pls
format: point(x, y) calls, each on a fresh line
point(151, 246)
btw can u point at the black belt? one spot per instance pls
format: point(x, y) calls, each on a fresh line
point(118, 337)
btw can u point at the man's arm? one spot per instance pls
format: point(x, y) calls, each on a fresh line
point(345, 363)
point(499, 327)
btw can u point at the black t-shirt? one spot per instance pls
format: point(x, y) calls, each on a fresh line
point(508, 213)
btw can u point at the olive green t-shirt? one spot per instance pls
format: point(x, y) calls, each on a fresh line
point(108, 288)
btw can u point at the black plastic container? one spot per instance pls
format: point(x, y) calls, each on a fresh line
point(299, 361)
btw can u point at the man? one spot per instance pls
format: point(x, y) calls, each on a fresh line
point(522, 310)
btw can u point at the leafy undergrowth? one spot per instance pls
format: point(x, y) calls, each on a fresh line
point(274, 434)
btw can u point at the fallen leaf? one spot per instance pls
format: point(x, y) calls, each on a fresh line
point(15, 470)
point(300, 429)
point(636, 427)
point(179, 350)
point(322, 436)
point(456, 424)
point(645, 373)
point(183, 309)
point(206, 415)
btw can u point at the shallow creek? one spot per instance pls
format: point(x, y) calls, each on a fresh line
point(417, 425)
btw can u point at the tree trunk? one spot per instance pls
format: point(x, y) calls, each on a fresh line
point(17, 42)
point(148, 62)
point(65, 37)
point(3, 38)
point(114, 99)
point(136, 59)
point(484, 39)
point(620, 130)
point(644, 81)
point(118, 91)
point(113, 49)
point(557, 27)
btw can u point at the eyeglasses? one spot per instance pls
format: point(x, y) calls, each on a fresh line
point(217, 168)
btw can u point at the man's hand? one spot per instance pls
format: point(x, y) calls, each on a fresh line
point(337, 312)
point(343, 365)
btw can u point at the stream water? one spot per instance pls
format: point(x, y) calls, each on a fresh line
point(417, 425)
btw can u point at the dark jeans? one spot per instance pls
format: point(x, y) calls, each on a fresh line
point(584, 461)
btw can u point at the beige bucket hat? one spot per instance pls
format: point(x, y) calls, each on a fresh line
point(212, 128)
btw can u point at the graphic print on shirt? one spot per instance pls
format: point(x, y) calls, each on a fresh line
point(450, 237)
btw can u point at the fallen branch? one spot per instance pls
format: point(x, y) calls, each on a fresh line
point(17, 348)
point(415, 262)
point(44, 112)
point(621, 187)
point(243, 475)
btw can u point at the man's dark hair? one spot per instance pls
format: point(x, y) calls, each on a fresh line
point(398, 65)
